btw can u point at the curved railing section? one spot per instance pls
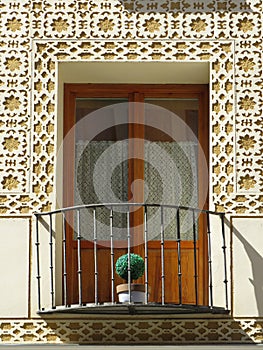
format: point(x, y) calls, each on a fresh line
point(111, 226)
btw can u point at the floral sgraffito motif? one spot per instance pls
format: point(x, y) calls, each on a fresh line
point(247, 103)
point(247, 142)
point(245, 25)
point(220, 20)
point(10, 182)
point(198, 25)
point(11, 143)
point(152, 25)
point(106, 25)
point(246, 64)
point(60, 25)
point(12, 103)
point(14, 24)
point(247, 182)
point(12, 63)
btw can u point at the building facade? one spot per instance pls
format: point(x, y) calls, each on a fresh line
point(45, 44)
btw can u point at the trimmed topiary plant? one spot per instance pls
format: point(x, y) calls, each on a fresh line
point(137, 266)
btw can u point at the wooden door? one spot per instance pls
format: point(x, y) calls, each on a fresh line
point(135, 127)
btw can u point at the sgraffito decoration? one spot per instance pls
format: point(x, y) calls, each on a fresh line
point(140, 331)
point(36, 35)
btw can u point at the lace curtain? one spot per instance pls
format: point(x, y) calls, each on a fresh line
point(170, 177)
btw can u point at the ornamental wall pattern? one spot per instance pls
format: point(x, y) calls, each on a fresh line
point(140, 331)
point(36, 35)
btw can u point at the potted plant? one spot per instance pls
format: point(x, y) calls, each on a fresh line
point(137, 267)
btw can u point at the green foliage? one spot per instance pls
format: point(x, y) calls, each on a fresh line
point(136, 265)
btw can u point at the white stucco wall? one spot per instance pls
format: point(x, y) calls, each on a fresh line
point(15, 266)
point(247, 266)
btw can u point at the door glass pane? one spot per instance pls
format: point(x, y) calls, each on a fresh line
point(98, 130)
point(171, 161)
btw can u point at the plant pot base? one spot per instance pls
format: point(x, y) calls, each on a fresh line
point(137, 293)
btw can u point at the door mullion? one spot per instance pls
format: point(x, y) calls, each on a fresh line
point(136, 167)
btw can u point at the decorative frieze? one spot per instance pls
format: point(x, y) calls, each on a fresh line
point(138, 331)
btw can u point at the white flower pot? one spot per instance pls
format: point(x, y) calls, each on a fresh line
point(137, 293)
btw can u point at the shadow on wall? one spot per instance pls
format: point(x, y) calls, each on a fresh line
point(189, 6)
point(256, 261)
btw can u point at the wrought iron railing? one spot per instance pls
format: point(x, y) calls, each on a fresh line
point(54, 229)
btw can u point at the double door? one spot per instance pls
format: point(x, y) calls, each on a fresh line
point(137, 144)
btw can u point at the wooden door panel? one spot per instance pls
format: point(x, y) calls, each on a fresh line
point(171, 275)
point(154, 275)
point(88, 274)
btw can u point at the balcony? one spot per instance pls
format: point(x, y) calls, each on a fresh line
point(185, 251)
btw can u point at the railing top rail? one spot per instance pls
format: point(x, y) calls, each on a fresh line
point(100, 205)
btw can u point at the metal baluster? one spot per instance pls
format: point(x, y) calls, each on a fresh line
point(162, 257)
point(64, 254)
point(146, 253)
point(210, 261)
point(95, 256)
point(129, 253)
point(38, 265)
point(112, 256)
point(222, 216)
point(79, 258)
point(51, 262)
point(179, 255)
point(195, 259)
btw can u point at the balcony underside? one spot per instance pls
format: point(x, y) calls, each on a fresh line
point(135, 309)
